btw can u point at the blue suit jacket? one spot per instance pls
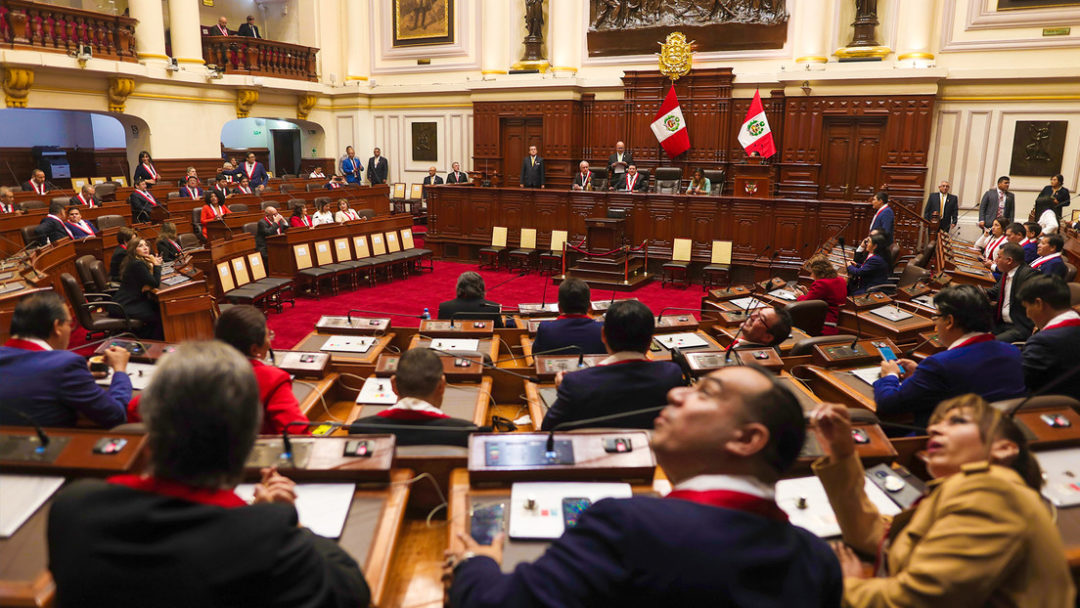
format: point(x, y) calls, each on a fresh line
point(79, 232)
point(52, 387)
point(884, 222)
point(873, 271)
point(1054, 267)
point(991, 369)
point(1031, 252)
point(185, 192)
point(663, 552)
point(577, 331)
point(1048, 354)
point(348, 166)
point(258, 176)
point(611, 389)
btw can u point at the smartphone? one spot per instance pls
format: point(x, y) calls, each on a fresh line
point(887, 354)
point(486, 522)
point(572, 508)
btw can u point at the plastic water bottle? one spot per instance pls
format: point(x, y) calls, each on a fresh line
point(426, 315)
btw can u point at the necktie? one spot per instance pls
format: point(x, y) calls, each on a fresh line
point(533, 158)
point(1001, 296)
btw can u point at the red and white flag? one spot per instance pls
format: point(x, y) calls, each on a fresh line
point(669, 126)
point(755, 134)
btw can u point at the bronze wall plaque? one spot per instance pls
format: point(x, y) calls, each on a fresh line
point(1038, 146)
point(425, 141)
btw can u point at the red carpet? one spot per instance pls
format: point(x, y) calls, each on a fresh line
point(426, 290)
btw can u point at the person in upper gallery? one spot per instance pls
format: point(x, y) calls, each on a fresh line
point(470, 305)
point(973, 362)
point(982, 536)
point(583, 178)
point(179, 535)
point(145, 170)
point(883, 216)
point(80, 228)
point(1010, 322)
point(317, 173)
point(377, 168)
point(997, 202)
point(336, 181)
point(222, 27)
point(632, 181)
point(945, 205)
point(243, 186)
point(828, 287)
point(86, 197)
point(248, 28)
point(1030, 244)
point(1045, 216)
point(344, 214)
point(322, 214)
point(619, 162)
point(432, 178)
point(1014, 233)
point(456, 175)
point(625, 381)
point(1058, 193)
point(699, 184)
point(872, 271)
point(52, 227)
point(140, 277)
point(1050, 261)
point(574, 327)
point(270, 224)
point(192, 190)
point(718, 539)
point(50, 385)
point(212, 211)
point(229, 173)
point(123, 237)
point(420, 385)
point(766, 326)
point(351, 167)
point(532, 170)
point(37, 183)
point(168, 243)
point(299, 217)
point(255, 172)
point(7, 202)
point(1054, 351)
point(142, 203)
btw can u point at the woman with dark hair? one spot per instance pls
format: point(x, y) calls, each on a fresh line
point(140, 276)
point(827, 287)
point(875, 268)
point(168, 242)
point(1058, 194)
point(1047, 214)
point(699, 184)
point(212, 211)
point(992, 238)
point(981, 537)
point(323, 215)
point(299, 218)
point(145, 170)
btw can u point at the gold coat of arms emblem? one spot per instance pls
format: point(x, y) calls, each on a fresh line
point(676, 56)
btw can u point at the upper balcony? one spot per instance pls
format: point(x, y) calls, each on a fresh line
point(259, 57)
point(35, 26)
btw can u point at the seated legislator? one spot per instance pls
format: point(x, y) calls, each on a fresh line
point(86, 197)
point(178, 536)
point(344, 214)
point(992, 238)
point(243, 186)
point(336, 181)
point(982, 536)
point(7, 202)
point(317, 173)
point(1010, 322)
point(1014, 233)
point(79, 228)
point(632, 181)
point(574, 327)
point(764, 327)
point(718, 539)
point(140, 276)
point(1054, 350)
point(827, 287)
point(874, 270)
point(432, 178)
point(1050, 261)
point(974, 361)
point(470, 305)
point(583, 178)
point(322, 214)
point(1045, 215)
point(168, 243)
point(1031, 243)
point(212, 210)
point(191, 189)
point(37, 183)
point(49, 385)
point(299, 217)
point(123, 237)
point(271, 224)
point(627, 380)
point(699, 184)
point(53, 227)
point(229, 173)
point(419, 384)
point(142, 203)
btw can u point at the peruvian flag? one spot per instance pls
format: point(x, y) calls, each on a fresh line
point(669, 126)
point(755, 134)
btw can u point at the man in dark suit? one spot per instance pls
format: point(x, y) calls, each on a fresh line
point(619, 162)
point(432, 178)
point(884, 216)
point(48, 384)
point(470, 305)
point(37, 183)
point(180, 535)
point(192, 190)
point(532, 170)
point(945, 205)
point(377, 168)
point(632, 181)
point(249, 28)
point(1010, 322)
point(997, 202)
point(7, 202)
point(52, 227)
point(583, 178)
point(86, 197)
point(456, 175)
point(764, 327)
point(624, 381)
point(142, 203)
point(1050, 261)
point(123, 237)
point(973, 363)
point(79, 227)
point(1054, 350)
point(573, 327)
point(723, 444)
point(419, 384)
point(222, 27)
point(255, 172)
point(1030, 244)
point(271, 224)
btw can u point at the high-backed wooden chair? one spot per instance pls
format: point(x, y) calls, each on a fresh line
point(419, 254)
point(526, 255)
point(282, 287)
point(233, 294)
point(120, 179)
point(678, 269)
point(719, 265)
point(378, 253)
point(551, 260)
point(398, 258)
point(308, 271)
point(324, 257)
point(497, 251)
point(343, 257)
point(362, 253)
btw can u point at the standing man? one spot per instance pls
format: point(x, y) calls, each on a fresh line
point(7, 202)
point(86, 197)
point(631, 181)
point(619, 162)
point(432, 178)
point(997, 202)
point(351, 167)
point(249, 29)
point(377, 168)
point(255, 172)
point(457, 176)
point(271, 224)
point(883, 216)
point(36, 183)
point(532, 170)
point(222, 28)
point(583, 180)
point(945, 205)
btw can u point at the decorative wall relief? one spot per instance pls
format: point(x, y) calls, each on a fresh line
point(425, 141)
point(1038, 146)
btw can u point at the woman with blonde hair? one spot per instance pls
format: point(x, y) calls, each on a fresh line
point(982, 536)
point(140, 276)
point(344, 214)
point(699, 184)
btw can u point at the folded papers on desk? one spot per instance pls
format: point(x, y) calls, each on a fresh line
point(23, 496)
point(322, 507)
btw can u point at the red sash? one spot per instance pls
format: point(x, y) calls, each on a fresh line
point(1065, 323)
point(244, 190)
point(64, 224)
point(736, 501)
point(149, 197)
point(991, 249)
point(976, 340)
point(88, 203)
point(194, 194)
point(250, 172)
point(304, 219)
point(150, 169)
point(224, 31)
point(874, 219)
point(1045, 259)
point(206, 496)
point(23, 344)
point(38, 189)
point(406, 415)
point(630, 183)
point(85, 227)
point(585, 177)
point(6, 208)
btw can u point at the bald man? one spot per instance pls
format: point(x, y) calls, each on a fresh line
point(271, 224)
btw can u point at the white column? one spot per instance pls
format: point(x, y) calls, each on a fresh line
point(811, 33)
point(495, 43)
point(564, 36)
point(913, 34)
point(358, 13)
point(150, 31)
point(184, 31)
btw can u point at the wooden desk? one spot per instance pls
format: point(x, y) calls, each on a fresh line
point(486, 346)
point(187, 311)
point(873, 325)
point(840, 385)
point(465, 401)
point(338, 359)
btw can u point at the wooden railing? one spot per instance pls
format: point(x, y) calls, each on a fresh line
point(242, 55)
point(45, 27)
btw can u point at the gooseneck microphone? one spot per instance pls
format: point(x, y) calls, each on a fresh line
point(43, 439)
point(570, 424)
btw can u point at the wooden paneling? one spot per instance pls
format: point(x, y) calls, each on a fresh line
point(561, 137)
point(107, 162)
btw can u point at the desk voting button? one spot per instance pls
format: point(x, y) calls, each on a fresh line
point(358, 448)
point(618, 445)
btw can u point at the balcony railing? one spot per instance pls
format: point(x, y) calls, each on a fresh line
point(242, 55)
point(45, 27)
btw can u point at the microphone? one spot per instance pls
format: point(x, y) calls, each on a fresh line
point(221, 219)
point(571, 347)
point(858, 330)
point(513, 278)
point(907, 354)
point(43, 439)
point(768, 269)
point(843, 251)
point(543, 298)
point(491, 366)
point(1042, 391)
point(348, 315)
point(758, 256)
point(667, 308)
point(550, 447)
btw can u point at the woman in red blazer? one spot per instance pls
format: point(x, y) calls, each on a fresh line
point(211, 211)
point(300, 218)
point(829, 287)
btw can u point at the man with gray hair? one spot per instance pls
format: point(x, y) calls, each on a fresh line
point(470, 305)
point(180, 536)
point(7, 202)
point(86, 197)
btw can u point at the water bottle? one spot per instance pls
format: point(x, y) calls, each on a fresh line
point(426, 315)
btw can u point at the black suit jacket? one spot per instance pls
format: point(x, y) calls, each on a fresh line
point(266, 228)
point(140, 208)
point(76, 202)
point(988, 206)
point(110, 545)
point(429, 431)
point(478, 309)
point(438, 181)
point(948, 212)
point(51, 229)
point(460, 177)
point(251, 31)
point(118, 256)
point(1020, 320)
point(27, 187)
point(611, 389)
point(627, 157)
point(584, 182)
point(532, 176)
point(1048, 354)
point(377, 171)
point(641, 185)
point(167, 251)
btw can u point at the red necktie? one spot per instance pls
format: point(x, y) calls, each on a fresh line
point(1001, 297)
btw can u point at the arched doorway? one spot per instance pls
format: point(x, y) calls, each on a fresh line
point(291, 145)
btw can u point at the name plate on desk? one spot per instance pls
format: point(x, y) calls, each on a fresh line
point(456, 369)
point(868, 300)
point(79, 452)
point(684, 322)
point(891, 314)
point(452, 344)
point(362, 326)
point(348, 344)
point(323, 458)
point(844, 353)
point(681, 340)
point(549, 365)
point(461, 327)
point(142, 351)
point(729, 293)
point(538, 309)
point(303, 364)
point(914, 290)
point(582, 457)
point(703, 363)
point(602, 305)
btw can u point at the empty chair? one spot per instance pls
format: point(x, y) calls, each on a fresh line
point(286, 188)
point(806, 345)
point(251, 228)
point(238, 208)
point(242, 294)
point(1074, 294)
point(82, 266)
point(313, 187)
point(106, 192)
point(678, 269)
point(363, 253)
point(100, 278)
point(912, 274)
point(600, 183)
point(281, 286)
point(63, 200)
point(34, 204)
point(494, 253)
point(91, 315)
point(343, 256)
point(173, 195)
point(30, 236)
point(367, 214)
point(324, 257)
point(667, 186)
point(276, 204)
point(526, 255)
point(189, 241)
point(385, 247)
point(719, 265)
point(105, 222)
point(716, 180)
point(808, 315)
point(308, 271)
point(418, 255)
point(552, 259)
point(1070, 272)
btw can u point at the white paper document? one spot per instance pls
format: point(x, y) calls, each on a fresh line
point(1061, 469)
point(536, 509)
point(748, 303)
point(869, 375)
point(140, 373)
point(892, 313)
point(377, 391)
point(322, 507)
point(348, 344)
point(817, 515)
point(784, 294)
point(926, 300)
point(531, 308)
point(23, 495)
point(681, 340)
point(453, 344)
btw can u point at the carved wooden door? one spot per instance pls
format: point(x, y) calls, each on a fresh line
point(517, 134)
point(851, 158)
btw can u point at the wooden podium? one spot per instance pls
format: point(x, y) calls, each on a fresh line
point(604, 234)
point(753, 179)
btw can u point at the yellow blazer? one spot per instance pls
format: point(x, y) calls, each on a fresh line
point(981, 537)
